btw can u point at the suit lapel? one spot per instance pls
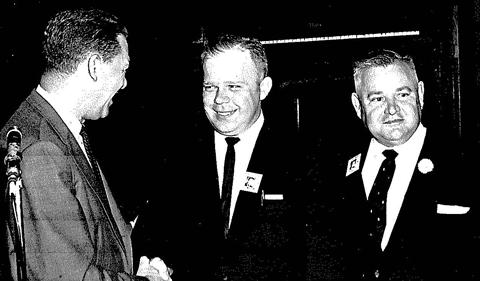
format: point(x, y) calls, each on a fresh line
point(419, 204)
point(206, 194)
point(67, 138)
point(353, 174)
point(210, 161)
point(248, 203)
point(355, 206)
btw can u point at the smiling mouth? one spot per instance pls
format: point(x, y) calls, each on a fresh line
point(393, 122)
point(225, 113)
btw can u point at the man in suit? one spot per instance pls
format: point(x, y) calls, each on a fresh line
point(73, 228)
point(416, 230)
point(193, 224)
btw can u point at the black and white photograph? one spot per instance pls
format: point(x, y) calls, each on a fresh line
point(155, 141)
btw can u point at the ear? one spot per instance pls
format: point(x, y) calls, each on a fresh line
point(265, 87)
point(421, 91)
point(357, 104)
point(93, 64)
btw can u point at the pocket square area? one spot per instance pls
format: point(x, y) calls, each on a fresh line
point(452, 209)
point(273, 197)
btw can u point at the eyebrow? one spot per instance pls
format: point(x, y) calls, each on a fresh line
point(225, 82)
point(404, 88)
point(371, 93)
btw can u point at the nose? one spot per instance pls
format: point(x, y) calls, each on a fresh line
point(392, 107)
point(222, 96)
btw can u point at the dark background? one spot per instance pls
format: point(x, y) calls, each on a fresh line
point(312, 80)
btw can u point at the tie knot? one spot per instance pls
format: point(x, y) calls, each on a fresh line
point(390, 154)
point(231, 141)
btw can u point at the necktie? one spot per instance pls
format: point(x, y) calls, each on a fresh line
point(88, 149)
point(96, 171)
point(227, 182)
point(378, 195)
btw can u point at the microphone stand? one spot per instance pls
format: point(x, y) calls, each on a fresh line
point(14, 193)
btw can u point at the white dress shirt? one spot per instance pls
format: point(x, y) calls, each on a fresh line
point(405, 162)
point(243, 152)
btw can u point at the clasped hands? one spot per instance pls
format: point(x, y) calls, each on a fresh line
point(154, 269)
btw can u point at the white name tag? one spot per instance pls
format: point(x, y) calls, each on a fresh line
point(353, 165)
point(252, 182)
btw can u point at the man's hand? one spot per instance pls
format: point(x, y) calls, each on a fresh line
point(154, 270)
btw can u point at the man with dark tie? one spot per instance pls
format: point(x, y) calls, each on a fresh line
point(73, 228)
point(401, 217)
point(227, 213)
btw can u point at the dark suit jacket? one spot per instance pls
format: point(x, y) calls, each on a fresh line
point(319, 181)
point(470, 169)
point(70, 232)
point(182, 223)
point(424, 245)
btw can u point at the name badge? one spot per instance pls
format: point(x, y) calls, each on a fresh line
point(252, 182)
point(353, 165)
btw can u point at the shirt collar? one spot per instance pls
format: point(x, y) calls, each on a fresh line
point(67, 116)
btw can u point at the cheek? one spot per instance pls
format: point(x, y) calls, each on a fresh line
point(373, 114)
point(247, 101)
point(411, 110)
point(207, 99)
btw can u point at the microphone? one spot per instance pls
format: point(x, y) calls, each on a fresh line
point(14, 156)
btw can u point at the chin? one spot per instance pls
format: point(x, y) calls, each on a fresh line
point(104, 113)
point(394, 142)
point(226, 131)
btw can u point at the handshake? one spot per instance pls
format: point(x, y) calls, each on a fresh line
point(154, 270)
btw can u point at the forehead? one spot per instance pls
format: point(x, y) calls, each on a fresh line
point(229, 62)
point(383, 78)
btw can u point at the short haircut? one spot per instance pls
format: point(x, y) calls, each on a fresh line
point(222, 42)
point(383, 58)
point(71, 35)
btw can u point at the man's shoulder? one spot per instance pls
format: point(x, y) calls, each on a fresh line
point(443, 147)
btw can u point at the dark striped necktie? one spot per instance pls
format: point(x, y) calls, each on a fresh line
point(378, 195)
